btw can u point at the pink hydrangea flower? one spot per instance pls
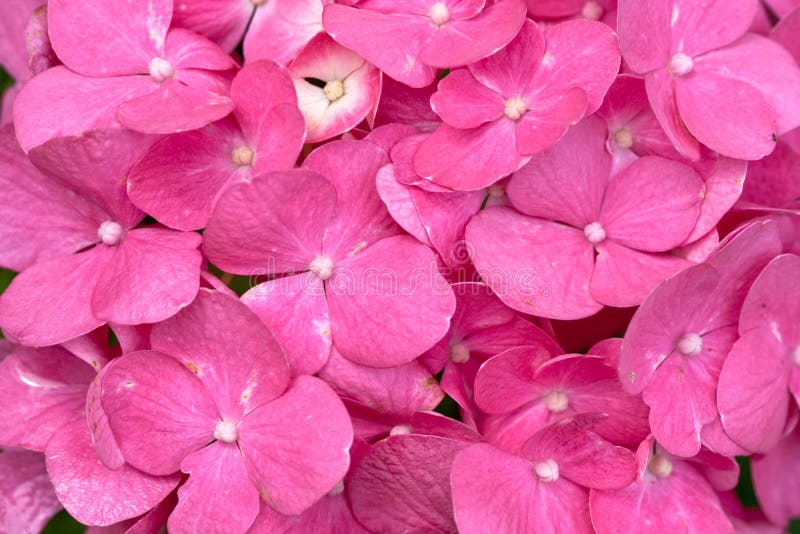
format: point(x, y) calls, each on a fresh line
point(708, 80)
point(775, 479)
point(420, 36)
point(559, 9)
point(585, 238)
point(237, 424)
point(27, 499)
point(501, 110)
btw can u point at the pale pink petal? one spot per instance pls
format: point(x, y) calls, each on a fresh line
point(290, 470)
point(92, 493)
point(229, 349)
point(156, 426)
point(533, 265)
point(389, 304)
point(103, 441)
point(296, 313)
point(404, 484)
point(398, 200)
point(661, 94)
point(31, 314)
point(775, 478)
point(74, 104)
point(700, 26)
point(27, 500)
point(279, 29)
point(153, 273)
point(286, 216)
point(218, 482)
point(462, 102)
point(644, 33)
point(559, 186)
point(117, 37)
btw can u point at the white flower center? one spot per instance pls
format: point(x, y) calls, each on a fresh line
point(110, 233)
point(794, 355)
point(322, 266)
point(680, 64)
point(546, 470)
point(161, 69)
point(439, 13)
point(242, 156)
point(660, 466)
point(690, 344)
point(334, 90)
point(459, 353)
point(399, 430)
point(556, 400)
point(623, 138)
point(592, 10)
point(594, 232)
point(226, 431)
point(515, 108)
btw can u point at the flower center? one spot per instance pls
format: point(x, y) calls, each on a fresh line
point(258, 2)
point(337, 489)
point(322, 266)
point(556, 400)
point(439, 13)
point(594, 232)
point(623, 138)
point(226, 431)
point(795, 356)
point(334, 90)
point(400, 430)
point(690, 344)
point(160, 69)
point(680, 64)
point(459, 353)
point(515, 108)
point(660, 466)
point(110, 233)
point(592, 10)
point(242, 155)
point(546, 470)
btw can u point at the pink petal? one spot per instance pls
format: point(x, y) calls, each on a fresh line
point(403, 38)
point(559, 186)
point(153, 273)
point(361, 218)
point(28, 501)
point(661, 94)
point(698, 27)
point(74, 104)
point(156, 426)
point(723, 188)
point(264, 242)
point(30, 315)
point(463, 102)
point(331, 512)
point(404, 484)
point(727, 115)
point(645, 33)
point(409, 311)
point(507, 381)
point(547, 122)
point(406, 105)
point(398, 200)
point(290, 470)
point(652, 205)
point(187, 50)
point(103, 440)
point(229, 349)
point(784, 32)
point(534, 266)
point(296, 313)
point(279, 29)
point(222, 21)
point(41, 390)
point(775, 478)
point(467, 160)
point(13, 29)
point(460, 42)
point(118, 37)
point(773, 300)
point(92, 493)
point(218, 482)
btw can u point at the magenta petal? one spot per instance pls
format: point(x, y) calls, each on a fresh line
point(508, 381)
point(296, 313)
point(409, 310)
point(462, 102)
point(229, 349)
point(218, 482)
point(40, 390)
point(153, 273)
point(644, 33)
point(264, 242)
point(700, 27)
point(74, 104)
point(176, 106)
point(723, 188)
point(398, 200)
point(221, 21)
point(404, 485)
point(296, 447)
point(156, 426)
point(543, 125)
point(661, 94)
point(27, 500)
point(775, 479)
point(258, 87)
point(332, 512)
point(92, 493)
point(118, 36)
point(535, 266)
point(772, 300)
point(185, 49)
point(103, 440)
point(280, 29)
point(29, 314)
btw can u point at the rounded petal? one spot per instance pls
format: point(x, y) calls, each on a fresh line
point(462, 102)
point(28, 500)
point(699, 26)
point(644, 33)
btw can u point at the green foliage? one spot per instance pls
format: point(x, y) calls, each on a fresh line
point(63, 523)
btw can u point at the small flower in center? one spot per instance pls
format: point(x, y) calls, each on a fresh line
point(594, 232)
point(439, 13)
point(592, 10)
point(110, 233)
point(459, 353)
point(322, 266)
point(660, 466)
point(690, 344)
point(242, 156)
point(556, 400)
point(334, 90)
point(515, 108)
point(546, 470)
point(161, 69)
point(399, 430)
point(226, 431)
point(680, 64)
point(623, 138)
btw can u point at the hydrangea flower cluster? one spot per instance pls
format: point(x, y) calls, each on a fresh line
point(350, 266)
